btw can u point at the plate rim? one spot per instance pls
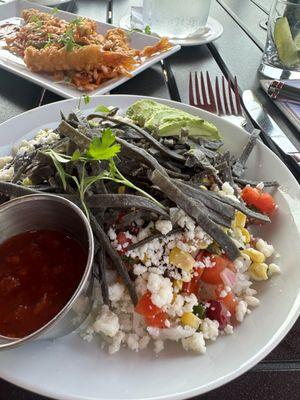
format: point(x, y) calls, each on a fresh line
point(123, 23)
point(288, 323)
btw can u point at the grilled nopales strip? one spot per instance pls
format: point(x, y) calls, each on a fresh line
point(193, 209)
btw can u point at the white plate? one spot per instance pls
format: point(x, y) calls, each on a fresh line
point(213, 30)
point(71, 369)
point(14, 64)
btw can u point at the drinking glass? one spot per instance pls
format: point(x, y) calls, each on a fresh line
point(176, 18)
point(281, 58)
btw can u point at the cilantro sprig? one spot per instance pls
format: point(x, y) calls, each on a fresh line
point(102, 148)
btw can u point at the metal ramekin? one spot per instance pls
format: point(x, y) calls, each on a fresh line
point(43, 211)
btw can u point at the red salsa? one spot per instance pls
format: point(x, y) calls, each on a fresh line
point(39, 272)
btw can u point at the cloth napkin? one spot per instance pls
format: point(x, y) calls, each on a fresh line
point(289, 109)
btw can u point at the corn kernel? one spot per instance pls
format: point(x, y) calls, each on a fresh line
point(239, 220)
point(178, 284)
point(181, 259)
point(121, 189)
point(191, 320)
point(255, 255)
point(258, 271)
point(203, 187)
point(246, 235)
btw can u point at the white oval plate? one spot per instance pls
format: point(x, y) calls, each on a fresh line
point(213, 30)
point(71, 369)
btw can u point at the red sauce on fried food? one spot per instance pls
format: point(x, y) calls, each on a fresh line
point(39, 272)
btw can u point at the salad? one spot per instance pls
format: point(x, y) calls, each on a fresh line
point(175, 257)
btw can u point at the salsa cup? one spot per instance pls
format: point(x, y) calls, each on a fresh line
point(50, 212)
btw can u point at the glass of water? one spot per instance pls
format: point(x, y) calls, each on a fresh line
point(281, 58)
point(176, 18)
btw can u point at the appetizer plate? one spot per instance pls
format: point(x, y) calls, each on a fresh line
point(213, 30)
point(71, 369)
point(16, 65)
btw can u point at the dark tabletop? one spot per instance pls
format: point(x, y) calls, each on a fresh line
point(237, 53)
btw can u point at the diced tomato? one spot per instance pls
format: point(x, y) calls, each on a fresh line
point(250, 195)
point(121, 238)
point(228, 301)
point(158, 320)
point(145, 306)
point(193, 285)
point(212, 274)
point(263, 201)
point(266, 203)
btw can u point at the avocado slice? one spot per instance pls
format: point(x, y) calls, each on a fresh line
point(286, 47)
point(168, 121)
point(143, 110)
point(195, 128)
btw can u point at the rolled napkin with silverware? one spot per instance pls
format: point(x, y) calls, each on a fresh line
point(286, 96)
point(284, 90)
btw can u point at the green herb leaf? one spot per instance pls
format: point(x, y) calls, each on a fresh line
point(61, 172)
point(199, 310)
point(103, 148)
point(76, 155)
point(54, 11)
point(102, 108)
point(86, 99)
point(77, 21)
point(148, 30)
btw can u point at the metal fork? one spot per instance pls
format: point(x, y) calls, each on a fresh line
point(223, 100)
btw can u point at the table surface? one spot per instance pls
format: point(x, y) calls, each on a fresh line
point(238, 52)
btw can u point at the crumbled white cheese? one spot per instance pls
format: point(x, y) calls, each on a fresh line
point(116, 291)
point(228, 329)
point(176, 308)
point(163, 226)
point(227, 189)
point(174, 333)
point(195, 343)
point(144, 341)
point(242, 263)
point(80, 306)
point(133, 341)
point(190, 302)
point(273, 269)
point(265, 248)
point(210, 329)
point(116, 342)
point(260, 186)
point(139, 269)
point(107, 322)
point(46, 136)
point(141, 285)
point(161, 289)
point(112, 234)
point(241, 310)
point(252, 301)
point(158, 346)
point(6, 174)
point(4, 161)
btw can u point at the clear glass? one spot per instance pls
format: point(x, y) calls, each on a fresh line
point(282, 51)
point(176, 18)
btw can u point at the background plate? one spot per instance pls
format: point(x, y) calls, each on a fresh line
point(17, 66)
point(71, 369)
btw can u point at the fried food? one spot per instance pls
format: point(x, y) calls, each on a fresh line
point(83, 58)
point(74, 51)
